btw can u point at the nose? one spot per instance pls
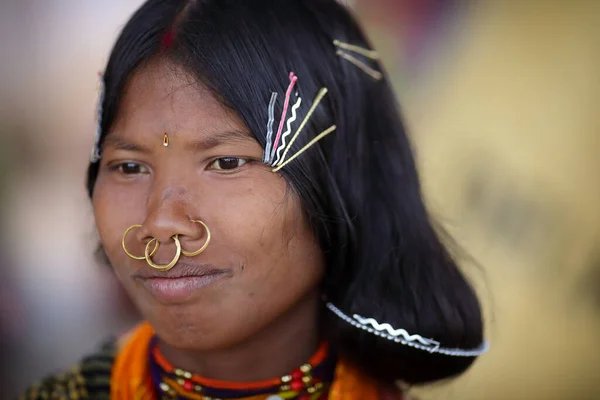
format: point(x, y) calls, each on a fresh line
point(171, 213)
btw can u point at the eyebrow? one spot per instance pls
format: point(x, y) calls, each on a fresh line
point(220, 138)
point(119, 143)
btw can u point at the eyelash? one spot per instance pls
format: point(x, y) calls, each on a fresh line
point(119, 168)
point(214, 165)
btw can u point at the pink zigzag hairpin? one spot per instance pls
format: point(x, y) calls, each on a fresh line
point(276, 156)
point(293, 80)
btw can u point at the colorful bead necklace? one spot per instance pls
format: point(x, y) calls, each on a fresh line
point(309, 382)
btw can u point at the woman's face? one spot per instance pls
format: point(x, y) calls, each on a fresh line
point(262, 260)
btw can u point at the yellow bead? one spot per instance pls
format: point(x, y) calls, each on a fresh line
point(306, 368)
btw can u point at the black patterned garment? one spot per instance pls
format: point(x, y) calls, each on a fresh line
point(90, 380)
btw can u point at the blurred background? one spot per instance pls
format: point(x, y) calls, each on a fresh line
point(501, 98)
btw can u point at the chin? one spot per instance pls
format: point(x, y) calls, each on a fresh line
point(194, 336)
point(189, 326)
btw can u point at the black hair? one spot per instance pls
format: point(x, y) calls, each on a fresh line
point(359, 187)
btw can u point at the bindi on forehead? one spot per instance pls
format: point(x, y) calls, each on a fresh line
point(167, 106)
point(118, 141)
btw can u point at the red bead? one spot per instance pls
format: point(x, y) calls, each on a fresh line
point(296, 386)
point(304, 397)
point(297, 375)
point(189, 386)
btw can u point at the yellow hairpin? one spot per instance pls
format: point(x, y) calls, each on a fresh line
point(366, 69)
point(302, 150)
point(316, 102)
point(372, 54)
point(282, 161)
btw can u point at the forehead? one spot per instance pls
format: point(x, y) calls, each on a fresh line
point(162, 96)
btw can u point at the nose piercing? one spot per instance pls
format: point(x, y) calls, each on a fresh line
point(165, 267)
point(132, 227)
point(204, 246)
point(150, 251)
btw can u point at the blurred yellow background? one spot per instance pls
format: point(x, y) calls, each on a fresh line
point(501, 98)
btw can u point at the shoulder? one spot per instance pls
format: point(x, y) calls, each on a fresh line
point(68, 385)
point(90, 379)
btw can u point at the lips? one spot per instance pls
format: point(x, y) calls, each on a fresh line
point(180, 283)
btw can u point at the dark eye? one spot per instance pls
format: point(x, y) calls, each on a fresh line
point(228, 163)
point(131, 168)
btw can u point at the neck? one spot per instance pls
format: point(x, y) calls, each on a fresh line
point(277, 349)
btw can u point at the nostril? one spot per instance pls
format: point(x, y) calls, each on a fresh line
point(194, 253)
point(142, 235)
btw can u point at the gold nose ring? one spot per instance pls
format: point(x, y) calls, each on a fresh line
point(132, 227)
point(166, 267)
point(204, 246)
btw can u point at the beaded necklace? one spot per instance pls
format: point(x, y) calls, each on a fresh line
point(311, 381)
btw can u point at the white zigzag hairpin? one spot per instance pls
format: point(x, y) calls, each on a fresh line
point(401, 336)
point(276, 153)
point(284, 136)
point(370, 54)
point(95, 156)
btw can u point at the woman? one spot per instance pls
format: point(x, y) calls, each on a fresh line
point(256, 194)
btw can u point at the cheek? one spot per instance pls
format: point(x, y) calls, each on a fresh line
point(270, 235)
point(114, 211)
point(253, 221)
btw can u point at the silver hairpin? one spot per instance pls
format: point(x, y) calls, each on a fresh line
point(95, 156)
point(271, 111)
point(401, 336)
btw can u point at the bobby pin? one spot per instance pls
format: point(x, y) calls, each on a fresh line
point(270, 127)
point(316, 102)
point(288, 130)
point(293, 80)
point(366, 69)
point(372, 54)
point(302, 150)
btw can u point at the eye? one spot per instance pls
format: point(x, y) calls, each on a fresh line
point(227, 163)
point(130, 168)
